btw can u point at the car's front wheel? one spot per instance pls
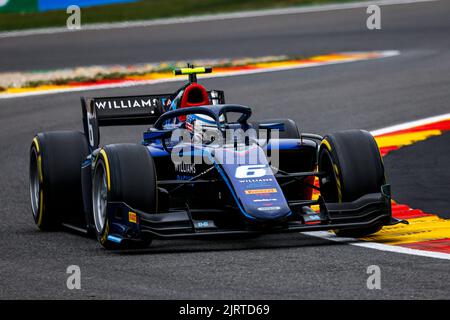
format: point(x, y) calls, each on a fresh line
point(354, 168)
point(122, 173)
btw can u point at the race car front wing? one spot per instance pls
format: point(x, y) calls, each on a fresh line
point(369, 210)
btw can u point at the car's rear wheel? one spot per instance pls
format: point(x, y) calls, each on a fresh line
point(354, 168)
point(123, 173)
point(55, 176)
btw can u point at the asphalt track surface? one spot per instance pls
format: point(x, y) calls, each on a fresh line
point(421, 175)
point(367, 95)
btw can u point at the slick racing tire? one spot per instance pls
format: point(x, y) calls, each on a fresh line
point(55, 176)
point(122, 173)
point(355, 168)
point(290, 128)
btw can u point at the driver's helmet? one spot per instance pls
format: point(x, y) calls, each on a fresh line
point(203, 128)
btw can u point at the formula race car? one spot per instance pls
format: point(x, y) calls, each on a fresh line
point(203, 168)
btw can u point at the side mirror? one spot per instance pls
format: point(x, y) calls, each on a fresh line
point(272, 126)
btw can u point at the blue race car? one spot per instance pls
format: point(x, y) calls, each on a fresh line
point(203, 168)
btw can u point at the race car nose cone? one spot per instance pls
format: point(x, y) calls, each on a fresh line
point(255, 188)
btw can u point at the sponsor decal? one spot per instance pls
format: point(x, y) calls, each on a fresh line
point(261, 191)
point(256, 180)
point(265, 200)
point(185, 168)
point(202, 224)
point(252, 171)
point(126, 104)
point(269, 208)
point(132, 217)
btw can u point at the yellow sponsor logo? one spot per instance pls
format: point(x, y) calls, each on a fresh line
point(261, 191)
point(132, 217)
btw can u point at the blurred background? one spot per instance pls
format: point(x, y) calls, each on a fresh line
point(23, 14)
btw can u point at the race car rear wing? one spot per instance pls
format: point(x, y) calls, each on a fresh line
point(132, 110)
point(117, 111)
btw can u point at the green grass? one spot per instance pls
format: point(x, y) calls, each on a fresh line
point(143, 10)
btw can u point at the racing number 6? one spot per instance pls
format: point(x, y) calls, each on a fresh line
point(254, 171)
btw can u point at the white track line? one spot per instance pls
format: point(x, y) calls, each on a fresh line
point(384, 247)
point(383, 54)
point(378, 246)
point(411, 124)
point(211, 17)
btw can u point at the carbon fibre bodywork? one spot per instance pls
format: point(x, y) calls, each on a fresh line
point(207, 198)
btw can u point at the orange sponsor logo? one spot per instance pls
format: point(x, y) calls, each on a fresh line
point(132, 217)
point(261, 191)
